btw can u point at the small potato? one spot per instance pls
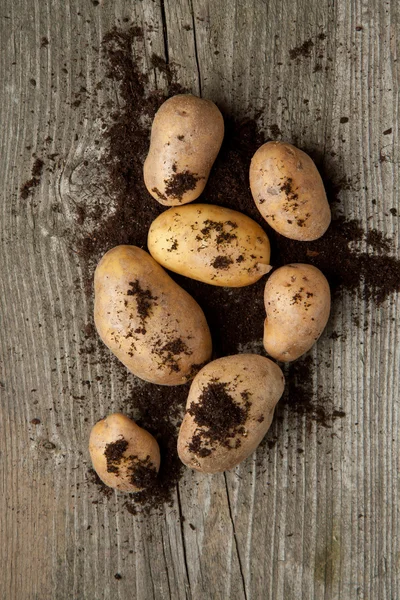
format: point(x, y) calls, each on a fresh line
point(124, 455)
point(229, 409)
point(151, 324)
point(298, 301)
point(209, 243)
point(186, 136)
point(288, 191)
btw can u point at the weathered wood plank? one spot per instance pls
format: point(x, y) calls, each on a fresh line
point(317, 515)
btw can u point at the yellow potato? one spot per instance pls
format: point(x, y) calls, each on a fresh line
point(186, 136)
point(124, 455)
point(209, 243)
point(150, 323)
point(297, 300)
point(229, 409)
point(288, 191)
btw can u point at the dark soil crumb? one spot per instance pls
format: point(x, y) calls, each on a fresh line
point(378, 241)
point(303, 50)
point(218, 415)
point(222, 262)
point(28, 187)
point(144, 300)
point(275, 131)
point(180, 183)
point(170, 353)
point(44, 42)
point(114, 454)
point(374, 274)
point(143, 472)
point(196, 446)
point(287, 188)
point(222, 237)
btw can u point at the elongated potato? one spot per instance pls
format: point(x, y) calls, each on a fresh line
point(150, 323)
point(124, 455)
point(209, 243)
point(288, 191)
point(186, 136)
point(297, 300)
point(229, 409)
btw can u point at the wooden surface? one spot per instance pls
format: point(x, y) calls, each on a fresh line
point(317, 523)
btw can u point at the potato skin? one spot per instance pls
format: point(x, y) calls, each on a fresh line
point(186, 136)
point(141, 449)
point(155, 328)
point(289, 192)
point(297, 301)
point(255, 384)
point(210, 243)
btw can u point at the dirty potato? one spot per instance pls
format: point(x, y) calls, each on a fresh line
point(297, 301)
point(186, 136)
point(229, 409)
point(124, 455)
point(152, 325)
point(288, 191)
point(209, 243)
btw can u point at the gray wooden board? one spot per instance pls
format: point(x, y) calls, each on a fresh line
point(317, 524)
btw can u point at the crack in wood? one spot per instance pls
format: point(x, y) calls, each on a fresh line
point(181, 519)
point(196, 55)
point(165, 31)
point(166, 567)
point(235, 537)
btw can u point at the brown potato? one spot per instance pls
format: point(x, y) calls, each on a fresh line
point(297, 300)
point(151, 324)
point(212, 244)
point(288, 191)
point(229, 409)
point(124, 455)
point(186, 136)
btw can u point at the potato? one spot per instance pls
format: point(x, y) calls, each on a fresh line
point(150, 323)
point(297, 300)
point(288, 191)
point(124, 455)
point(212, 244)
point(186, 136)
point(229, 409)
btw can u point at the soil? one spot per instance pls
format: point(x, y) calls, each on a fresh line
point(180, 183)
point(29, 186)
point(114, 454)
point(143, 472)
point(304, 50)
point(144, 300)
point(218, 416)
point(354, 261)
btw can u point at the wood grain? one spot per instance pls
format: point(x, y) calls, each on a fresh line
point(317, 515)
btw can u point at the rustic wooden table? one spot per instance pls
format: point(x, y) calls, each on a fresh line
point(323, 523)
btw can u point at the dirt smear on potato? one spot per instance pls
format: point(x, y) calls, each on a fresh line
point(353, 260)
